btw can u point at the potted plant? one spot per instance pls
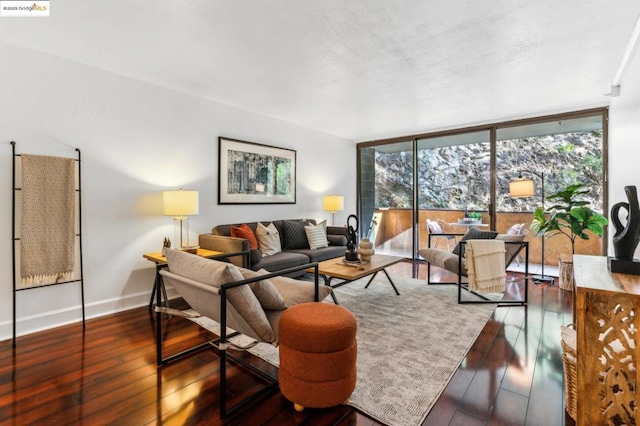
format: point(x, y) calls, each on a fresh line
point(475, 215)
point(568, 216)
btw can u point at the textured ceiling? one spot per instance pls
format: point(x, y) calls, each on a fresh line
point(361, 69)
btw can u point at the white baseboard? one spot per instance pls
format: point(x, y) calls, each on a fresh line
point(73, 314)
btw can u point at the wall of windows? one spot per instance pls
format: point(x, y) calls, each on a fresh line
point(403, 182)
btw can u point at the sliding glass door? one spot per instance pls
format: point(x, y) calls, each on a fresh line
point(453, 185)
point(386, 197)
point(404, 182)
point(562, 153)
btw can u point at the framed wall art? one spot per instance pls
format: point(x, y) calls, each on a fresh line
point(252, 173)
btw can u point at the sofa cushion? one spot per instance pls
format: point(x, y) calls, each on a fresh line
point(473, 234)
point(264, 290)
point(317, 236)
point(268, 239)
point(321, 254)
point(294, 235)
point(282, 260)
point(215, 274)
point(244, 231)
point(295, 291)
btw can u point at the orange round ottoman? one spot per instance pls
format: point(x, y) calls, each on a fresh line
point(317, 355)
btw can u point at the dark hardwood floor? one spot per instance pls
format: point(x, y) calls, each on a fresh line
point(107, 375)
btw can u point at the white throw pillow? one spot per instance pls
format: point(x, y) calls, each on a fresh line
point(317, 236)
point(296, 291)
point(264, 290)
point(268, 239)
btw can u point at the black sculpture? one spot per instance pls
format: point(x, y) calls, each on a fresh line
point(351, 255)
point(627, 236)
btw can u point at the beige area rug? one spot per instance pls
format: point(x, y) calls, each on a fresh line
point(409, 346)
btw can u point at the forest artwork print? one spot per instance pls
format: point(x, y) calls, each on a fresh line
point(251, 173)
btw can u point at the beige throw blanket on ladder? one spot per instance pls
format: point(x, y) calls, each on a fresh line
point(485, 265)
point(47, 238)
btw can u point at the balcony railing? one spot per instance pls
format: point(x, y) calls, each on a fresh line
point(393, 233)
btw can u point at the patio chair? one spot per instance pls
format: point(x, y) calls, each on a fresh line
point(440, 229)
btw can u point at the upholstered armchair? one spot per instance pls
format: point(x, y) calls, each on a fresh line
point(454, 261)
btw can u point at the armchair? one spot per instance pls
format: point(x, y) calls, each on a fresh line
point(441, 229)
point(246, 301)
point(452, 262)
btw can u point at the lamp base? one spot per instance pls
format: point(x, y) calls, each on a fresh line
point(190, 249)
point(543, 279)
point(624, 266)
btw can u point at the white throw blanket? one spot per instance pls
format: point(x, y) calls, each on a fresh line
point(485, 265)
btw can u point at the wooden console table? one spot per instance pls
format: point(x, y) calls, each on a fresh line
point(608, 348)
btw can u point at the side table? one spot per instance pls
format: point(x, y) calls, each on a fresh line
point(161, 262)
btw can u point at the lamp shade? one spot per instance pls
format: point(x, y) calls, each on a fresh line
point(333, 203)
point(180, 203)
point(521, 188)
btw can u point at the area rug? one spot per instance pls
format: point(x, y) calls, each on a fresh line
point(409, 346)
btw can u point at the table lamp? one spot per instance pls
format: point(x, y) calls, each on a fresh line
point(333, 204)
point(181, 204)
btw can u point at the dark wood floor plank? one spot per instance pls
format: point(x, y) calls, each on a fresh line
point(106, 373)
point(519, 375)
point(509, 409)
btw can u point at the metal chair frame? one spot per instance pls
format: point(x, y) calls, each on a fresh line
point(465, 285)
point(221, 344)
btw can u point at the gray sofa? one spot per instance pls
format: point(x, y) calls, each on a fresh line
point(220, 239)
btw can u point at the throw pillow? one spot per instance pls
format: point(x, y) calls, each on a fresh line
point(317, 236)
point(294, 235)
point(296, 291)
point(268, 239)
point(245, 231)
point(215, 273)
point(511, 250)
point(264, 290)
point(434, 227)
point(473, 234)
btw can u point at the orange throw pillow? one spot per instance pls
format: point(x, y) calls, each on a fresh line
point(244, 231)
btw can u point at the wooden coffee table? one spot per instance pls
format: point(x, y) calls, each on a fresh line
point(334, 269)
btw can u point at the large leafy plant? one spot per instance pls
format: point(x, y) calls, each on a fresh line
point(568, 216)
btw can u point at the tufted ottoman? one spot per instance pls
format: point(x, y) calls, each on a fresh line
point(317, 355)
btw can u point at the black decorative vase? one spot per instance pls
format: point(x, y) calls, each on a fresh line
point(627, 236)
point(351, 255)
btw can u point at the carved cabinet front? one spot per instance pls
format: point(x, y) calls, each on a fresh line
point(607, 306)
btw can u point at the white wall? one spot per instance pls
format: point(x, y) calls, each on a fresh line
point(624, 140)
point(136, 140)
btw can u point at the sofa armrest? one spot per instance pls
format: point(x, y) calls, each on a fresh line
point(337, 235)
point(226, 245)
point(337, 230)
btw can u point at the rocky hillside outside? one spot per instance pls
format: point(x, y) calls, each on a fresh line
point(457, 177)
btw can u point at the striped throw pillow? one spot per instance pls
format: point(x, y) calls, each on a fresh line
point(317, 236)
